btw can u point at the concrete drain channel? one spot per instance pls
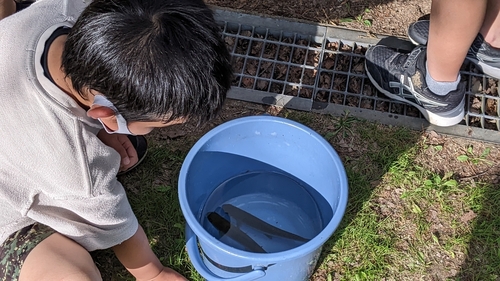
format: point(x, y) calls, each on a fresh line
point(320, 69)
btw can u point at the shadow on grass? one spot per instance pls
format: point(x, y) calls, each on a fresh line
point(483, 253)
point(367, 151)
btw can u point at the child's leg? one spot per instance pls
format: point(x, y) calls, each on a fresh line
point(453, 26)
point(59, 258)
point(491, 27)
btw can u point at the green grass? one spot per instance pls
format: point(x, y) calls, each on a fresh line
point(403, 221)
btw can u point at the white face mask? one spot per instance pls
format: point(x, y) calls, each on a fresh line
point(122, 123)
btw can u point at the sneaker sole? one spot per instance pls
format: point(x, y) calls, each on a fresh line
point(485, 68)
point(451, 118)
point(413, 41)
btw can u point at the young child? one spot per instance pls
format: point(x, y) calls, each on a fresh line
point(76, 76)
point(429, 77)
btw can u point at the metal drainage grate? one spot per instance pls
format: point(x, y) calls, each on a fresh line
point(321, 69)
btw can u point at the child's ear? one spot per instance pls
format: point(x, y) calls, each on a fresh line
point(97, 111)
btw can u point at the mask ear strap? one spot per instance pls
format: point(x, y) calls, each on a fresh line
point(122, 123)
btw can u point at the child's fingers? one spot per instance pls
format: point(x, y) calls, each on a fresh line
point(125, 159)
point(129, 154)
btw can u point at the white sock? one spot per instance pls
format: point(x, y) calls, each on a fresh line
point(440, 88)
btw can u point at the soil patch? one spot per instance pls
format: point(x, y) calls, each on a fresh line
point(373, 16)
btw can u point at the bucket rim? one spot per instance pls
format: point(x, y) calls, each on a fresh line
point(262, 258)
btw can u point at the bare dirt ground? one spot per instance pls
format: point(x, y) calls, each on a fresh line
point(389, 17)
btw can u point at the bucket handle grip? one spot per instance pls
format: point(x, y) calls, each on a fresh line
point(196, 260)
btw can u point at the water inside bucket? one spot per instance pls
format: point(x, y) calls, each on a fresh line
point(263, 212)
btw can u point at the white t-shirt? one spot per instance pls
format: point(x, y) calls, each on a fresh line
point(53, 168)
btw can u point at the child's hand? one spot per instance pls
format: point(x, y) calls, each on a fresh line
point(138, 258)
point(122, 145)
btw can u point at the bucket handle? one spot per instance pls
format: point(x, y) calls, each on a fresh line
point(196, 260)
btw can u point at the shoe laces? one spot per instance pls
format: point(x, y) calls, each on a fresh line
point(411, 59)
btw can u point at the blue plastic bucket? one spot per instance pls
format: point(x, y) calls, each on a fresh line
point(252, 145)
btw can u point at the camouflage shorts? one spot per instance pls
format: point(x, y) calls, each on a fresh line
point(16, 248)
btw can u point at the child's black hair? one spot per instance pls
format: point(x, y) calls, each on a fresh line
point(155, 60)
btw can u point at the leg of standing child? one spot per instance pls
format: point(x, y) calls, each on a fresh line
point(428, 77)
point(483, 52)
point(491, 26)
point(453, 26)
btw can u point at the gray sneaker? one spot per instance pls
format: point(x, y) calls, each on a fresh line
point(482, 54)
point(401, 77)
